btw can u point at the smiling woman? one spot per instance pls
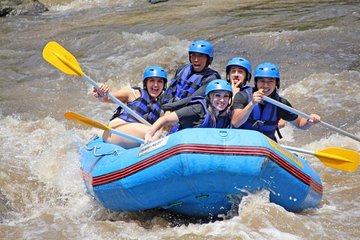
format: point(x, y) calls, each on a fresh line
point(201, 112)
point(142, 107)
point(144, 102)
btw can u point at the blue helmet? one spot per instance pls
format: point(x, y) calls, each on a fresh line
point(240, 62)
point(267, 69)
point(218, 85)
point(203, 47)
point(155, 71)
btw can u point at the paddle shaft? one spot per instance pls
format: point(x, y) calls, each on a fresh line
point(90, 122)
point(121, 134)
point(336, 158)
point(115, 100)
point(295, 149)
point(304, 115)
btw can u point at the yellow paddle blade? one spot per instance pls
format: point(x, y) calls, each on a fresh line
point(85, 121)
point(59, 57)
point(339, 158)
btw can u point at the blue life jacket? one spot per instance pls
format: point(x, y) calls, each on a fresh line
point(262, 118)
point(143, 106)
point(185, 83)
point(222, 121)
point(247, 88)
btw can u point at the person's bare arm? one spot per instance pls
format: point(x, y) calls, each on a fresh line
point(241, 115)
point(167, 119)
point(304, 123)
point(124, 95)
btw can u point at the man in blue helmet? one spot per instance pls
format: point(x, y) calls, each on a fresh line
point(143, 101)
point(191, 79)
point(211, 111)
point(238, 73)
point(250, 112)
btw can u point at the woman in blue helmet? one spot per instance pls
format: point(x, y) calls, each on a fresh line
point(250, 112)
point(144, 101)
point(191, 79)
point(211, 111)
point(238, 73)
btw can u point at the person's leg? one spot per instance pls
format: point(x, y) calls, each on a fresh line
point(134, 129)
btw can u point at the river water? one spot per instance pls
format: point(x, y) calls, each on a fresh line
point(316, 44)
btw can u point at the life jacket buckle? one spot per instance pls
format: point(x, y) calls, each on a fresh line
point(258, 124)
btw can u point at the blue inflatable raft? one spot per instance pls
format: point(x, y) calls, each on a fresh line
point(198, 172)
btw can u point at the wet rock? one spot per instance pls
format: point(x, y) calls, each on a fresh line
point(5, 11)
point(156, 1)
point(21, 7)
